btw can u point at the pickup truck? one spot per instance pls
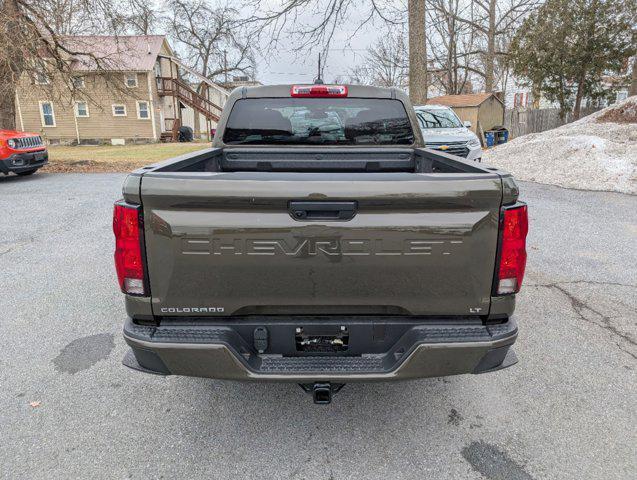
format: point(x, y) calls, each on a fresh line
point(21, 152)
point(326, 249)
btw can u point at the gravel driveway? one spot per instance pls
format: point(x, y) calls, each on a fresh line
point(68, 409)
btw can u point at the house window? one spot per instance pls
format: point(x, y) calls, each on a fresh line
point(143, 112)
point(78, 82)
point(81, 109)
point(131, 80)
point(119, 110)
point(47, 115)
point(41, 78)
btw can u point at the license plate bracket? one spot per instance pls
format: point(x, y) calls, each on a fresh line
point(322, 339)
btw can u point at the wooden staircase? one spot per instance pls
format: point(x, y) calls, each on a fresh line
point(182, 91)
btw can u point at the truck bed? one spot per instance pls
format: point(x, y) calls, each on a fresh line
point(329, 160)
point(233, 232)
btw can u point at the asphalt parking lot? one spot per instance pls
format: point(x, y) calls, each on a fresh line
point(69, 409)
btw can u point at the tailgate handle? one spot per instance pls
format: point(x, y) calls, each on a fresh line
point(334, 211)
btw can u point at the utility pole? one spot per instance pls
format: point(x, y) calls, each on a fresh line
point(633, 82)
point(225, 66)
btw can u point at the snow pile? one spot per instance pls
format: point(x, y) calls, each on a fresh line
point(598, 152)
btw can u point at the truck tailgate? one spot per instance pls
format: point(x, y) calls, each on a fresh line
point(403, 243)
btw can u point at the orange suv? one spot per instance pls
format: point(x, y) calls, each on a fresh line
point(21, 152)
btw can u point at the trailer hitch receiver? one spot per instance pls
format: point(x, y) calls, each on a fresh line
point(322, 391)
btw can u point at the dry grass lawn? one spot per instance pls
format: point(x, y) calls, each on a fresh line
point(108, 158)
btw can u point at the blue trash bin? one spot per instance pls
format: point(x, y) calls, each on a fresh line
point(490, 137)
point(505, 136)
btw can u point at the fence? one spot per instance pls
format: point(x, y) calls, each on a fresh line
point(520, 121)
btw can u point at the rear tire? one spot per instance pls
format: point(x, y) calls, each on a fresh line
point(27, 172)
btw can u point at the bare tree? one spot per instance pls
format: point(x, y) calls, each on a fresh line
point(67, 17)
point(452, 42)
point(386, 62)
point(502, 68)
point(212, 38)
point(464, 38)
point(490, 20)
point(142, 17)
point(313, 23)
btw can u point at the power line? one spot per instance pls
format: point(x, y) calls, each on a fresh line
point(303, 74)
point(290, 73)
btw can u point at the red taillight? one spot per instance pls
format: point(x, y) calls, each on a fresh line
point(128, 249)
point(515, 226)
point(318, 91)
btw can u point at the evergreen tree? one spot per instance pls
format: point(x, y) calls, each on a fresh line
point(565, 49)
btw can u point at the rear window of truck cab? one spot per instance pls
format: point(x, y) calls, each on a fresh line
point(318, 121)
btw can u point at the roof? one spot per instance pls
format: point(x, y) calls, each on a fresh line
point(353, 91)
point(465, 100)
point(114, 52)
point(433, 106)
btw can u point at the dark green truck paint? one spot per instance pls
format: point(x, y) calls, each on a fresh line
point(409, 276)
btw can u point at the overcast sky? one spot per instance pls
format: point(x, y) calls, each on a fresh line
point(284, 65)
point(289, 67)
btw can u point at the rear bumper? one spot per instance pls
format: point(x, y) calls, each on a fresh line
point(220, 351)
point(22, 162)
